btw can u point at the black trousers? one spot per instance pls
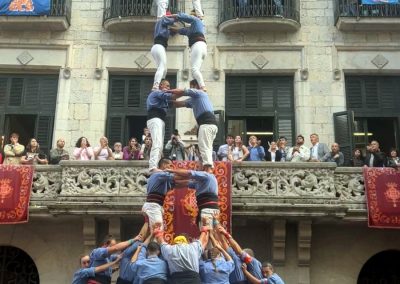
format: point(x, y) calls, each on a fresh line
point(185, 277)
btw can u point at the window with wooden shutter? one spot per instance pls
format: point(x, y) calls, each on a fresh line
point(44, 132)
point(17, 86)
point(343, 123)
point(115, 129)
point(3, 92)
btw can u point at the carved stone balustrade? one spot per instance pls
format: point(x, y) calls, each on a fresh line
point(259, 189)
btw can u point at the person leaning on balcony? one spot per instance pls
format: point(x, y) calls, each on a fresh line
point(197, 43)
point(106, 254)
point(299, 152)
point(59, 153)
point(224, 149)
point(334, 156)
point(318, 150)
point(132, 151)
point(159, 8)
point(82, 275)
point(374, 157)
point(393, 161)
point(273, 154)
point(158, 51)
point(118, 154)
point(83, 151)
point(13, 151)
point(103, 152)
point(145, 150)
point(283, 148)
point(238, 152)
point(33, 154)
point(256, 151)
point(358, 159)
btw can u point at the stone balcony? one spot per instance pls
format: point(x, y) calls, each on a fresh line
point(134, 15)
point(350, 16)
point(258, 16)
point(59, 19)
point(319, 191)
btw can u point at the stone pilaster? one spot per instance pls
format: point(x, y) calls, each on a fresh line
point(89, 233)
point(304, 250)
point(114, 227)
point(278, 242)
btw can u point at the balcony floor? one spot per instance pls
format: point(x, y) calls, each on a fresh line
point(132, 23)
point(36, 23)
point(363, 24)
point(259, 25)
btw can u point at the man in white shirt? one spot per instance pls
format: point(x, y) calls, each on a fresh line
point(298, 153)
point(318, 150)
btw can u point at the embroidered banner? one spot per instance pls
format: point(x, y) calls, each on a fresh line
point(180, 207)
point(15, 193)
point(373, 2)
point(24, 7)
point(382, 188)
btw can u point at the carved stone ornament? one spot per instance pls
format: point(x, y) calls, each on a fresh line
point(24, 58)
point(260, 61)
point(192, 131)
point(142, 61)
point(380, 61)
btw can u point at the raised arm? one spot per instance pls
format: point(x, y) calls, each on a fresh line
point(220, 248)
point(104, 267)
point(178, 104)
point(235, 246)
point(249, 276)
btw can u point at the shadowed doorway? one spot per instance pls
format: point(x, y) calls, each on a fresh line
point(383, 268)
point(16, 266)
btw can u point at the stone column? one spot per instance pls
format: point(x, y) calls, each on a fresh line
point(89, 233)
point(304, 250)
point(278, 242)
point(114, 227)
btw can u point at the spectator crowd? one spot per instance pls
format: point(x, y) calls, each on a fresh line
point(176, 149)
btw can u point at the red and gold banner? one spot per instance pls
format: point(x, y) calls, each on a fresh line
point(180, 206)
point(382, 188)
point(15, 193)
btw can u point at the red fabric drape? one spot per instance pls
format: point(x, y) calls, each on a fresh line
point(382, 188)
point(180, 207)
point(15, 193)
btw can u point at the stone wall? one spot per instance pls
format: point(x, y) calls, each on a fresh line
point(318, 55)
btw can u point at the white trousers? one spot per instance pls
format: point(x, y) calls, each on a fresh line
point(154, 212)
point(197, 8)
point(208, 213)
point(157, 131)
point(207, 133)
point(159, 8)
point(197, 55)
point(160, 57)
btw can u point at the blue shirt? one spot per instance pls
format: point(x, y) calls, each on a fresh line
point(124, 272)
point(161, 27)
point(99, 256)
point(196, 25)
point(150, 267)
point(182, 257)
point(160, 182)
point(221, 276)
point(158, 99)
point(198, 101)
point(256, 153)
point(82, 275)
point(273, 279)
point(254, 267)
point(237, 274)
point(203, 183)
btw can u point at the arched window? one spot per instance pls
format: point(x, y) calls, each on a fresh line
point(383, 267)
point(16, 266)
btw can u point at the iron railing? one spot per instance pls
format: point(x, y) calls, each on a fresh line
point(61, 8)
point(138, 8)
point(233, 9)
point(355, 8)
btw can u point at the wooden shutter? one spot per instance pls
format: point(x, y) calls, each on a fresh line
point(251, 93)
point(284, 94)
point(284, 126)
point(31, 90)
point(134, 93)
point(117, 93)
point(44, 132)
point(371, 93)
point(233, 95)
point(17, 85)
point(48, 93)
point(116, 129)
point(3, 92)
point(354, 92)
point(344, 128)
point(266, 93)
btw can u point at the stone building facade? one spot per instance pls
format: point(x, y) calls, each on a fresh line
point(324, 57)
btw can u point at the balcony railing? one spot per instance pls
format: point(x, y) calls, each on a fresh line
point(59, 19)
point(280, 13)
point(372, 17)
point(319, 190)
point(135, 11)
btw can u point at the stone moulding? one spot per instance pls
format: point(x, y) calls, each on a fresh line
point(291, 189)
